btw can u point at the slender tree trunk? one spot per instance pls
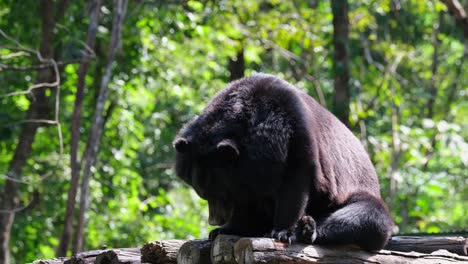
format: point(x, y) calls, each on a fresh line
point(237, 66)
point(434, 68)
point(89, 157)
point(39, 108)
point(341, 97)
point(95, 6)
point(432, 90)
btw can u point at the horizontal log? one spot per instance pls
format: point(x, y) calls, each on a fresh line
point(265, 250)
point(60, 260)
point(231, 250)
point(161, 252)
point(457, 245)
point(119, 257)
point(106, 256)
point(84, 257)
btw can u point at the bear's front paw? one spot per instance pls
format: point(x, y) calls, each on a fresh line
point(306, 229)
point(283, 235)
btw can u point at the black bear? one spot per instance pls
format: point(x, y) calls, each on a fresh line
point(270, 160)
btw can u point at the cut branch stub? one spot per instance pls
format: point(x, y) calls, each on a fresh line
point(164, 251)
point(195, 252)
point(222, 250)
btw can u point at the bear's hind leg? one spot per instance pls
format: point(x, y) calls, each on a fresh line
point(363, 220)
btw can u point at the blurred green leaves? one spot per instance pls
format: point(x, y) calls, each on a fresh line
point(174, 58)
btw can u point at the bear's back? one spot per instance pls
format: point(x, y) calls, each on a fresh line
point(278, 113)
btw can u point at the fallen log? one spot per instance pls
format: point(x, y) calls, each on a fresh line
point(105, 256)
point(132, 256)
point(265, 250)
point(60, 260)
point(163, 251)
point(84, 257)
point(195, 252)
point(457, 245)
point(232, 250)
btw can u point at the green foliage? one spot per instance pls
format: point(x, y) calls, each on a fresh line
point(174, 58)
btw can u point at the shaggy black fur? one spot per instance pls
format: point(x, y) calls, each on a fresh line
point(270, 160)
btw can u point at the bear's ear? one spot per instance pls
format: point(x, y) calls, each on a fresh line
point(228, 148)
point(181, 145)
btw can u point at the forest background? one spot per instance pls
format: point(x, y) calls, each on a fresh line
point(93, 92)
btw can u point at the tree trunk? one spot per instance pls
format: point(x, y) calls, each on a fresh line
point(237, 66)
point(38, 109)
point(432, 91)
point(92, 146)
point(75, 130)
point(341, 97)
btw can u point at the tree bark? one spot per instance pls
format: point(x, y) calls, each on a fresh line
point(195, 252)
point(265, 250)
point(127, 256)
point(108, 256)
point(237, 66)
point(222, 250)
point(434, 68)
point(75, 130)
point(92, 146)
point(432, 90)
point(227, 249)
point(341, 96)
point(164, 251)
point(39, 108)
point(457, 245)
